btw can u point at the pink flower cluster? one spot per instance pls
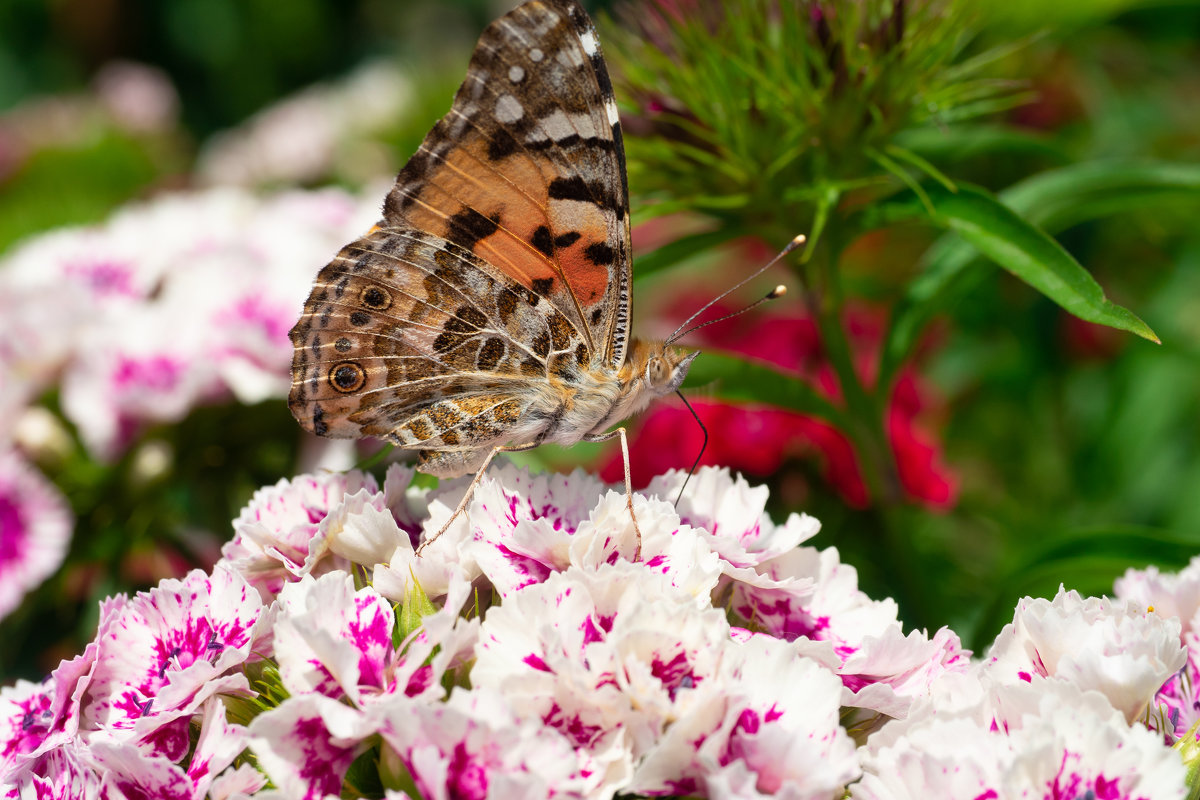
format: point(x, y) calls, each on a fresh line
point(525, 654)
point(182, 301)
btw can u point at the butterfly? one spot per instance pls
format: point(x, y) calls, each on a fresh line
point(489, 309)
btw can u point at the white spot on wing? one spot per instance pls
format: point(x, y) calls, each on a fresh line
point(610, 108)
point(558, 125)
point(536, 55)
point(588, 40)
point(508, 109)
point(516, 73)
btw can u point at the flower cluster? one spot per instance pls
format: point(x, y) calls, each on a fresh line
point(527, 652)
point(83, 313)
point(1054, 710)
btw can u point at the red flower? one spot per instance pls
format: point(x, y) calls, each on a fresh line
point(757, 441)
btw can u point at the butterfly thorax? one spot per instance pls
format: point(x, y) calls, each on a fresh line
point(596, 399)
point(651, 370)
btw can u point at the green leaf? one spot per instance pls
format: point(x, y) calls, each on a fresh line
point(1060, 198)
point(1033, 256)
point(679, 250)
point(736, 378)
point(1004, 229)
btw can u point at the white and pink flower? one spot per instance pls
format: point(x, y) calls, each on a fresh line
point(222, 270)
point(528, 653)
point(1044, 739)
point(35, 529)
point(1115, 647)
point(162, 653)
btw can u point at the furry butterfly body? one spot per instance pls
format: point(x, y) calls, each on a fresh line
point(489, 308)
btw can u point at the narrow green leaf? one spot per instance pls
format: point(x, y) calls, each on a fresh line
point(1060, 198)
point(1033, 256)
point(826, 202)
point(679, 250)
point(734, 378)
point(930, 170)
point(1057, 198)
point(902, 175)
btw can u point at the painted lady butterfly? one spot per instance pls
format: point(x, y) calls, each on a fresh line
point(489, 309)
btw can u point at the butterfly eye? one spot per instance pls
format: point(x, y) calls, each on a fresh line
point(657, 372)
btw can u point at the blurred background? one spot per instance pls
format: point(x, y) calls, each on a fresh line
point(173, 174)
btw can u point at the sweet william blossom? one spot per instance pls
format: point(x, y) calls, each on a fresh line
point(162, 653)
point(1176, 706)
point(1166, 594)
point(273, 534)
point(1113, 646)
point(631, 671)
point(1045, 739)
point(732, 514)
point(476, 746)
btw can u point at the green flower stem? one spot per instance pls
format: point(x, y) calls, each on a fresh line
point(867, 430)
point(826, 305)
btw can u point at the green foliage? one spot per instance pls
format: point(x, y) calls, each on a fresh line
point(737, 105)
point(415, 607)
point(853, 121)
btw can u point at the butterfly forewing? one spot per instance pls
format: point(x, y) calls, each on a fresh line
point(527, 171)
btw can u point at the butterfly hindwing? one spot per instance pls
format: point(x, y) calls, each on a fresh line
point(527, 171)
point(409, 335)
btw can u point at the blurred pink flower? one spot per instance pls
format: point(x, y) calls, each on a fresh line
point(182, 301)
point(35, 529)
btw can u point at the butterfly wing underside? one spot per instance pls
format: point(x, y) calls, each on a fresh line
point(502, 261)
point(527, 170)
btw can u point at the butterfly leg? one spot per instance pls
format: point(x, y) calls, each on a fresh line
point(462, 504)
point(604, 437)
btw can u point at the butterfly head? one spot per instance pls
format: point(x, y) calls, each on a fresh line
point(666, 369)
point(656, 369)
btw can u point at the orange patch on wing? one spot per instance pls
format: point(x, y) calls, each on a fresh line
point(514, 256)
point(468, 179)
point(588, 281)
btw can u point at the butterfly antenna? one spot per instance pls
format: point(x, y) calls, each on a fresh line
point(703, 446)
point(778, 291)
